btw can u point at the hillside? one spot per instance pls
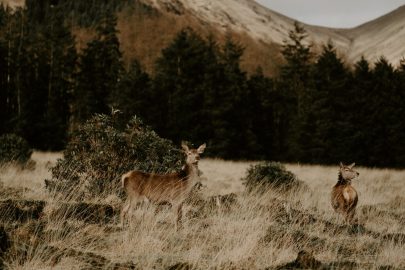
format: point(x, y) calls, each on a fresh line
point(13, 3)
point(382, 36)
point(149, 25)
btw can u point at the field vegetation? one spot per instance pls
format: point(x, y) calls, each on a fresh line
point(244, 231)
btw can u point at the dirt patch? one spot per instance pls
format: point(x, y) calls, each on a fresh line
point(20, 210)
point(304, 260)
point(301, 240)
point(4, 245)
point(12, 193)
point(283, 213)
point(86, 212)
point(89, 259)
point(202, 208)
point(180, 266)
point(371, 212)
point(4, 241)
point(396, 238)
point(346, 229)
point(17, 239)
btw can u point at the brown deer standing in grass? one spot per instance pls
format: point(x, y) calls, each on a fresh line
point(170, 188)
point(344, 197)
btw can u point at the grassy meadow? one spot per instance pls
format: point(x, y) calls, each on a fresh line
point(246, 232)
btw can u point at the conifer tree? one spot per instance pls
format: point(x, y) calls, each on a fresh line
point(60, 67)
point(4, 91)
point(41, 61)
point(232, 126)
point(400, 125)
point(261, 99)
point(361, 86)
point(330, 101)
point(133, 94)
point(178, 93)
point(100, 69)
point(293, 88)
point(385, 116)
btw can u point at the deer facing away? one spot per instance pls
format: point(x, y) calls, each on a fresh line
point(170, 188)
point(344, 197)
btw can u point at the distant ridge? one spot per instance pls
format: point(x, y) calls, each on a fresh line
point(261, 30)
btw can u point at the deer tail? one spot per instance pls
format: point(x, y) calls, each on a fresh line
point(124, 179)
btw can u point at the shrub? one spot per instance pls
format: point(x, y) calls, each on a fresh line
point(14, 149)
point(267, 175)
point(99, 153)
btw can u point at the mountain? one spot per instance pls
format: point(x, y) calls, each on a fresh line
point(149, 25)
point(13, 3)
point(382, 36)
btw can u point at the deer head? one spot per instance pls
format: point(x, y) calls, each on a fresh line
point(193, 155)
point(347, 173)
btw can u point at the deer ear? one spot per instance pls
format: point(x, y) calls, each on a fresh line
point(184, 146)
point(201, 149)
point(352, 165)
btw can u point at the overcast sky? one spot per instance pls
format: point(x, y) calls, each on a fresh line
point(333, 13)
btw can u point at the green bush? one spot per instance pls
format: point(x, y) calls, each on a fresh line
point(269, 175)
point(14, 149)
point(99, 153)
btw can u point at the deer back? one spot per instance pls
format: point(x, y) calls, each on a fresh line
point(156, 187)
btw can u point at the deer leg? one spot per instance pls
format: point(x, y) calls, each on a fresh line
point(160, 205)
point(218, 203)
point(179, 224)
point(350, 216)
point(124, 211)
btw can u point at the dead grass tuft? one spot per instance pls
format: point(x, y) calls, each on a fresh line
point(225, 228)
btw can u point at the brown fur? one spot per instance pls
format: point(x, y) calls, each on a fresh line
point(158, 188)
point(344, 197)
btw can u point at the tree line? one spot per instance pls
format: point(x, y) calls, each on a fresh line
point(316, 109)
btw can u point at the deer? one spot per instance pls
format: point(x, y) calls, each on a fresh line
point(344, 197)
point(172, 188)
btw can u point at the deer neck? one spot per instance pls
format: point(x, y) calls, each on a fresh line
point(190, 173)
point(342, 181)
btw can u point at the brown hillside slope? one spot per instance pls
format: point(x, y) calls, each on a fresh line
point(143, 36)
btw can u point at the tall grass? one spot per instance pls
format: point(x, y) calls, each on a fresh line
point(257, 232)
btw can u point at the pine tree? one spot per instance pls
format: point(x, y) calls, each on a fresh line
point(232, 126)
point(400, 125)
point(293, 88)
point(27, 103)
point(4, 91)
point(100, 69)
point(330, 99)
point(178, 87)
point(385, 116)
point(361, 86)
point(40, 63)
point(261, 99)
point(133, 95)
point(60, 67)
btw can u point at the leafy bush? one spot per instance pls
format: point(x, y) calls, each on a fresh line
point(14, 149)
point(99, 153)
point(267, 175)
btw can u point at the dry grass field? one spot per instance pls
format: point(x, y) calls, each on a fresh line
point(243, 232)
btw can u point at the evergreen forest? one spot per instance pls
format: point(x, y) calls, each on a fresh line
point(316, 109)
